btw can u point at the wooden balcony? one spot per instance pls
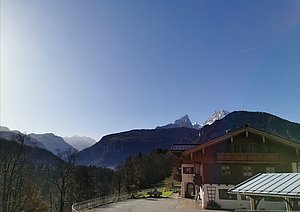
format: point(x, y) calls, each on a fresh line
point(251, 157)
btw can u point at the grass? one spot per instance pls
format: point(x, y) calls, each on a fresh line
point(165, 194)
point(163, 187)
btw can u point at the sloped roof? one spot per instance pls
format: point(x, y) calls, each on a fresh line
point(239, 131)
point(273, 184)
point(181, 147)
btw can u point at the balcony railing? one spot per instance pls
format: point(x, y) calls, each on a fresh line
point(251, 157)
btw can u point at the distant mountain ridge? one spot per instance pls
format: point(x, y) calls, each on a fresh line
point(185, 121)
point(13, 135)
point(80, 142)
point(48, 141)
point(39, 156)
point(112, 149)
point(260, 120)
point(53, 143)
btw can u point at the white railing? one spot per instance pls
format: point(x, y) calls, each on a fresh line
point(92, 203)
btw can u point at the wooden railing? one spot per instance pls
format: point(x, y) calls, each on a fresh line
point(92, 203)
point(272, 157)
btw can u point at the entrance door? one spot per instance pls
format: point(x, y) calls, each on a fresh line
point(190, 190)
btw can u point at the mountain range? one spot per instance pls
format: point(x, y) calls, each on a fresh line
point(58, 145)
point(259, 120)
point(47, 141)
point(113, 149)
point(39, 156)
point(185, 121)
point(53, 143)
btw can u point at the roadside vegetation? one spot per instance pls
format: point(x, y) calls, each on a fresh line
point(29, 184)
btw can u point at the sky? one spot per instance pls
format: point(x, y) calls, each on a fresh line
point(95, 67)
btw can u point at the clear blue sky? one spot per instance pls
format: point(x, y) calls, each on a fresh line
point(97, 67)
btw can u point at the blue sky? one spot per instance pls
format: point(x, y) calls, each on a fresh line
point(97, 67)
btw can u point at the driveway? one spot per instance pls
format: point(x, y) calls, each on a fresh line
point(152, 205)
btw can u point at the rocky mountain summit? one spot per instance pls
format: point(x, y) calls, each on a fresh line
point(183, 121)
point(217, 115)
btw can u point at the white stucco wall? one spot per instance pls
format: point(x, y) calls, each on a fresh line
point(186, 178)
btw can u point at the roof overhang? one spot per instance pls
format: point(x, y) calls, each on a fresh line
point(239, 131)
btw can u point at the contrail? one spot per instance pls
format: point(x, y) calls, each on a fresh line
point(248, 50)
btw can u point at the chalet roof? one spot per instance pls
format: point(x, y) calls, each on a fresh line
point(239, 131)
point(274, 184)
point(181, 147)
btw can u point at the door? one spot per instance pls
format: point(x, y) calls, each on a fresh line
point(190, 190)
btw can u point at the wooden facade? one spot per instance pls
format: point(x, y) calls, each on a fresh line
point(237, 156)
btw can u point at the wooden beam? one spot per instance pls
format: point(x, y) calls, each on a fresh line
point(252, 203)
point(287, 204)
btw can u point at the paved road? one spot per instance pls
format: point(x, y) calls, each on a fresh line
point(149, 205)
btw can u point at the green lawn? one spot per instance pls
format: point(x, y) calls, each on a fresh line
point(165, 194)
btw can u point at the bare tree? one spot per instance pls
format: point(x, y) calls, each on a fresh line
point(59, 175)
point(13, 174)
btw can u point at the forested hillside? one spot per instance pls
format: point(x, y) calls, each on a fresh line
point(33, 179)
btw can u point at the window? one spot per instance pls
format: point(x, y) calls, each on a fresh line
point(224, 195)
point(188, 170)
point(270, 169)
point(247, 171)
point(225, 170)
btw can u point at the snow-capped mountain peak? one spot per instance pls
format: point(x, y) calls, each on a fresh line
point(4, 129)
point(53, 143)
point(217, 115)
